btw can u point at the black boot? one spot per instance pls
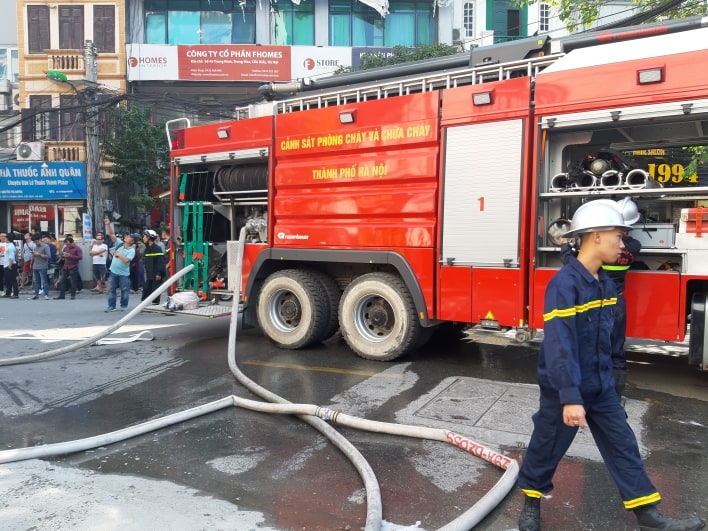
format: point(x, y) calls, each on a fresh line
point(530, 519)
point(650, 518)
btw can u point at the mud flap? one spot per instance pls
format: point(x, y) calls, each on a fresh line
point(698, 342)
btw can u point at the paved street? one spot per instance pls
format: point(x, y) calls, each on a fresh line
point(236, 469)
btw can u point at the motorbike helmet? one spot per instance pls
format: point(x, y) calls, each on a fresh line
point(629, 210)
point(598, 215)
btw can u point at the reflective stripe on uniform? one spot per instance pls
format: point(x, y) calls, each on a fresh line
point(615, 267)
point(532, 493)
point(570, 312)
point(644, 500)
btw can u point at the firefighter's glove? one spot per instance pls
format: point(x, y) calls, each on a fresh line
point(620, 381)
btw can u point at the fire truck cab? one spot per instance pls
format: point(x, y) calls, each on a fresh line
point(382, 209)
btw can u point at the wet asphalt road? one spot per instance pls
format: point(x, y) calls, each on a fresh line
point(239, 470)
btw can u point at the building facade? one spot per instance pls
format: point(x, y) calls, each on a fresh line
point(71, 55)
point(199, 59)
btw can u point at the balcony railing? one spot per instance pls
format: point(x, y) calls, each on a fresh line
point(68, 153)
point(500, 37)
point(69, 61)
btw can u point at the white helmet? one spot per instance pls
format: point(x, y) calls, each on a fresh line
point(599, 215)
point(629, 210)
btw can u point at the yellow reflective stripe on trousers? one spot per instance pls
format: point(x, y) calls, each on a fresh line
point(580, 308)
point(532, 493)
point(615, 267)
point(644, 500)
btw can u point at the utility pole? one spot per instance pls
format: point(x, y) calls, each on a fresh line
point(94, 199)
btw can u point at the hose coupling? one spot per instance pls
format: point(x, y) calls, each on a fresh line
point(330, 415)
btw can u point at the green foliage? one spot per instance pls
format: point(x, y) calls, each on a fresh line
point(138, 152)
point(698, 158)
point(401, 54)
point(144, 202)
point(581, 14)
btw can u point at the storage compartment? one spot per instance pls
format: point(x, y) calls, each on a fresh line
point(655, 235)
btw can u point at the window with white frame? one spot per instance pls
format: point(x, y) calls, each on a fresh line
point(544, 17)
point(468, 19)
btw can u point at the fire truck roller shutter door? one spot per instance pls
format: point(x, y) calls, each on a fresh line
point(477, 202)
point(291, 309)
point(377, 317)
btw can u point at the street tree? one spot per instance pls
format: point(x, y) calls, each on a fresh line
point(581, 14)
point(402, 54)
point(137, 154)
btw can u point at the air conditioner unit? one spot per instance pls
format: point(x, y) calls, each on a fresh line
point(30, 151)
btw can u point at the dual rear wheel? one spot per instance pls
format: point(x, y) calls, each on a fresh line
point(375, 315)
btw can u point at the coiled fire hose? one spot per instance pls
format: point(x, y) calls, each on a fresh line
point(313, 415)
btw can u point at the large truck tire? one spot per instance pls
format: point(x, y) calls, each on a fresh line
point(331, 291)
point(377, 317)
point(291, 310)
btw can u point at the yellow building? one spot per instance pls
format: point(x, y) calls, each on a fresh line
point(81, 45)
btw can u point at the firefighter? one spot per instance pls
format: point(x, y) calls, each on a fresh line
point(617, 271)
point(154, 262)
point(575, 377)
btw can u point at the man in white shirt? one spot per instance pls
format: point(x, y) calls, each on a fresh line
point(12, 290)
point(99, 254)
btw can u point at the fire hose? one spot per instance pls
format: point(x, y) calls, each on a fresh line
point(318, 417)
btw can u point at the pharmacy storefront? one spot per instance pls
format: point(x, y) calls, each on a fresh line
point(44, 197)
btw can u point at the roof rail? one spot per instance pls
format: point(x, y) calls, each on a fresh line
point(405, 85)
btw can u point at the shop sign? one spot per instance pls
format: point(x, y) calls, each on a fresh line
point(42, 180)
point(208, 62)
point(22, 214)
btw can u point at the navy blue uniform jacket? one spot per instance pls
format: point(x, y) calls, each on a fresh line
point(575, 357)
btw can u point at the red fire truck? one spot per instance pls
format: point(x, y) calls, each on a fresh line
point(383, 207)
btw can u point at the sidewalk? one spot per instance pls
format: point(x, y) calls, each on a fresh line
point(51, 321)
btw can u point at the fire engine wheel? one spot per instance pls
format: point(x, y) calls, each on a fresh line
point(377, 317)
point(331, 291)
point(291, 311)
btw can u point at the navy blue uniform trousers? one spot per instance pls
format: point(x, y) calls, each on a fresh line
point(614, 438)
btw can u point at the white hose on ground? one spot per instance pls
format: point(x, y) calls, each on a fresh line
point(103, 333)
point(374, 507)
point(311, 414)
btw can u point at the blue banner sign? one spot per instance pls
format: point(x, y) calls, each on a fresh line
point(42, 180)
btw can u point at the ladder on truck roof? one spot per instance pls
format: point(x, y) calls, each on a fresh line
point(401, 86)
